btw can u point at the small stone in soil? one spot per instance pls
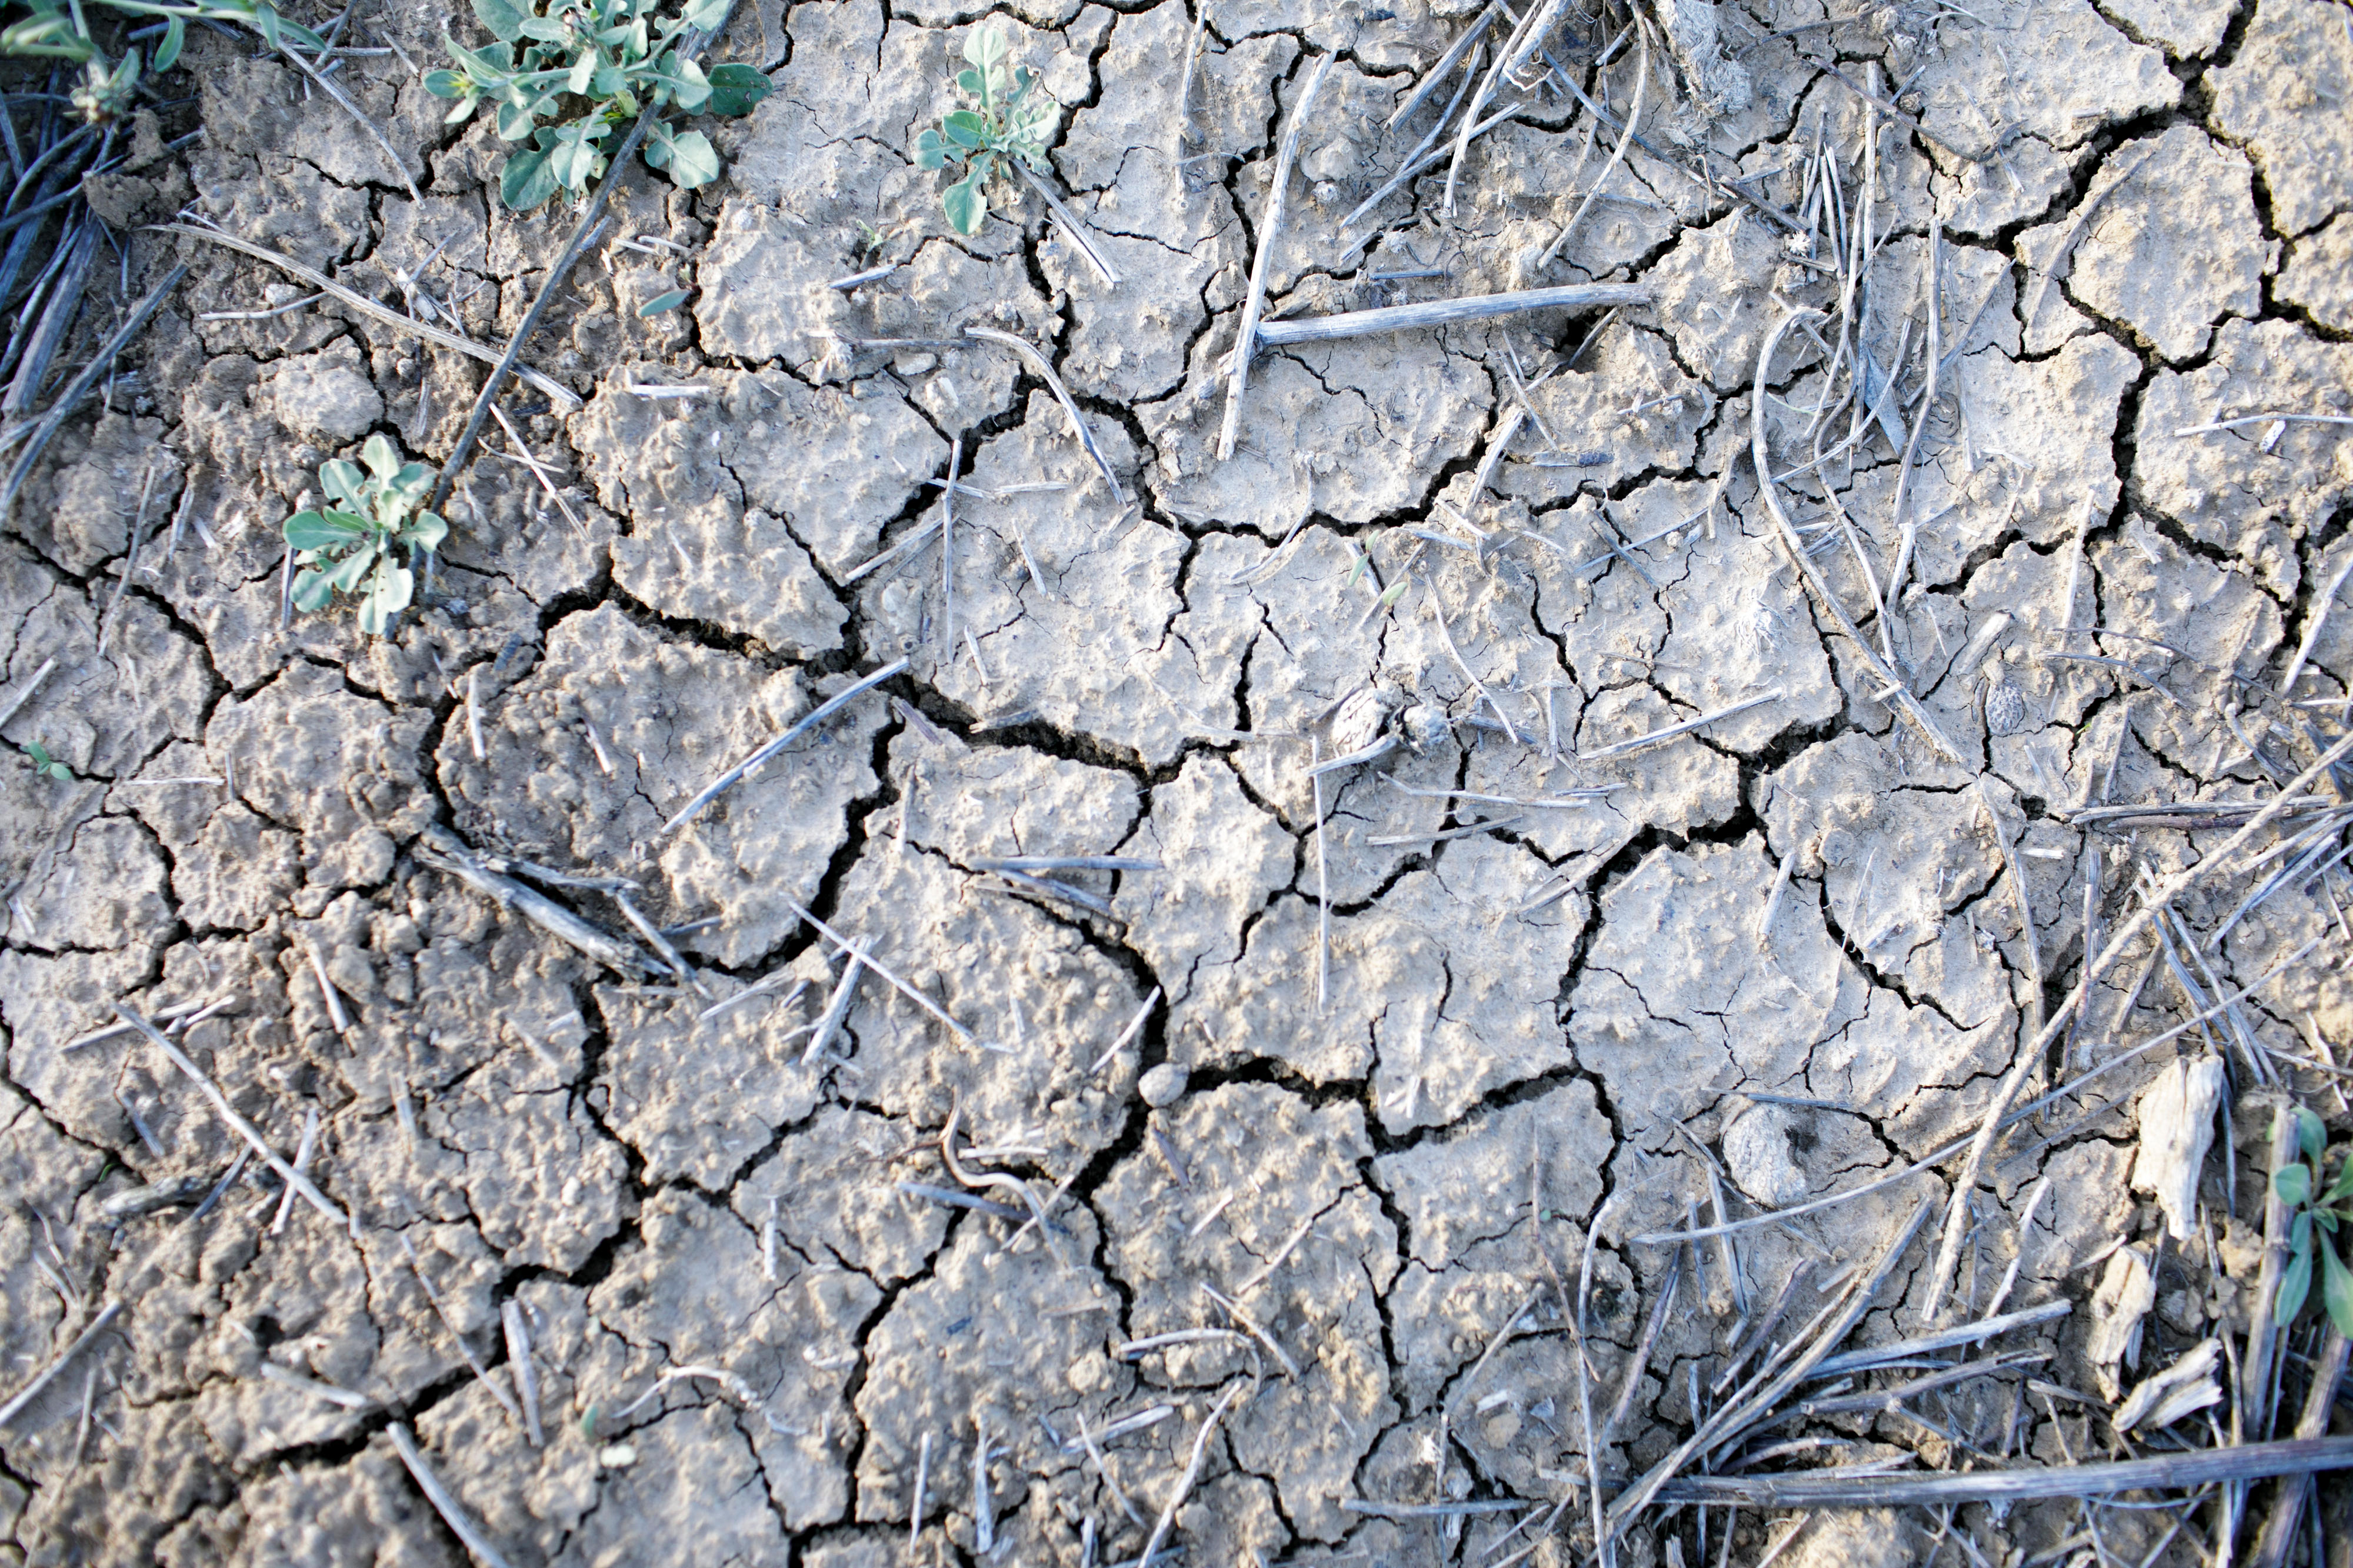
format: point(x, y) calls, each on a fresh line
point(1163, 1085)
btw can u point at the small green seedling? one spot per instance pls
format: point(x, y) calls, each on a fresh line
point(1010, 123)
point(591, 66)
point(348, 546)
point(47, 766)
point(2318, 1213)
point(58, 29)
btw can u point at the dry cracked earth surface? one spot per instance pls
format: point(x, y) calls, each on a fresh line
point(1337, 1092)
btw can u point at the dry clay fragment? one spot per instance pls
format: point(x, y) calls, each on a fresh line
point(2177, 250)
point(2177, 1128)
point(2279, 97)
point(1249, 1191)
point(2319, 275)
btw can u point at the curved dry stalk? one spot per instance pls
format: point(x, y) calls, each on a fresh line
point(1037, 362)
point(343, 101)
point(441, 337)
point(1906, 703)
point(1270, 225)
point(1625, 140)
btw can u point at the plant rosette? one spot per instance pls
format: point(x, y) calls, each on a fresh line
point(589, 68)
point(348, 547)
point(1010, 123)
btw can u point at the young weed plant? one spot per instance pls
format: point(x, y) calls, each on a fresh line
point(47, 766)
point(591, 66)
point(1011, 122)
point(58, 29)
point(2318, 1213)
point(347, 547)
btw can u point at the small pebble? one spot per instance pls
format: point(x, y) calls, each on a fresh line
point(1163, 1085)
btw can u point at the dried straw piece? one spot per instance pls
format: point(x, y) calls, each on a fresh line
point(1247, 336)
point(1193, 1466)
point(1445, 312)
point(1072, 227)
point(1446, 64)
point(2243, 1462)
point(227, 1112)
point(540, 910)
point(1038, 362)
point(814, 716)
point(49, 1374)
point(460, 1524)
point(385, 314)
point(47, 426)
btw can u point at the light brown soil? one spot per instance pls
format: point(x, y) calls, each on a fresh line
point(1539, 1043)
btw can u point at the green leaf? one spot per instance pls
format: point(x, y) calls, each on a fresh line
point(504, 21)
point(312, 590)
point(447, 84)
point(386, 595)
point(2336, 1288)
point(343, 482)
point(683, 79)
point(321, 530)
point(175, 39)
point(661, 302)
point(2343, 1186)
point(576, 161)
point(516, 120)
point(526, 181)
point(2296, 1284)
point(426, 532)
point(966, 129)
point(693, 162)
point(381, 456)
point(353, 567)
point(2311, 1134)
point(2293, 1185)
point(583, 71)
point(486, 67)
point(736, 89)
point(931, 153)
point(985, 46)
point(542, 30)
point(706, 14)
point(265, 22)
point(967, 204)
point(968, 83)
point(39, 753)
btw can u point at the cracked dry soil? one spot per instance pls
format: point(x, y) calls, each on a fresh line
point(750, 1323)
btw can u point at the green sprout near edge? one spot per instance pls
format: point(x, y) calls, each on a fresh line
point(56, 29)
point(2318, 1214)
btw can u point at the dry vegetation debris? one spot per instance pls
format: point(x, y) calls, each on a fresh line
point(1665, 930)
